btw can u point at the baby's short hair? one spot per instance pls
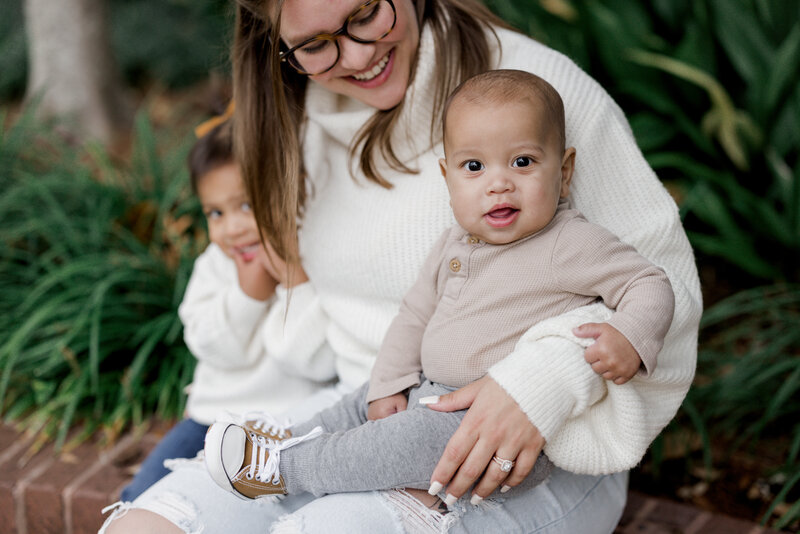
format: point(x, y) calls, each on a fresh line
point(508, 85)
point(212, 150)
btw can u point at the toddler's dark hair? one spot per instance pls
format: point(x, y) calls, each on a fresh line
point(213, 150)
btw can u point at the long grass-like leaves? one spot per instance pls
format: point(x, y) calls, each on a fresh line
point(723, 120)
point(748, 380)
point(713, 91)
point(793, 512)
point(92, 269)
point(702, 430)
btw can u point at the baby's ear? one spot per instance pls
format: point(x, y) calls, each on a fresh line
point(567, 169)
point(443, 167)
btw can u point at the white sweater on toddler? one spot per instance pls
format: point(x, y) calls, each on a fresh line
point(248, 357)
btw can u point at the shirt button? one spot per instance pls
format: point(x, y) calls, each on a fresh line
point(472, 240)
point(455, 265)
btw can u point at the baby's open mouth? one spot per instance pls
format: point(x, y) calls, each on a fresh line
point(502, 213)
point(501, 216)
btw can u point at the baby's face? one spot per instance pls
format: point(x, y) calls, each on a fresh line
point(503, 169)
point(231, 223)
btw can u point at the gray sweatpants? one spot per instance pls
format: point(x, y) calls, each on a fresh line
point(355, 454)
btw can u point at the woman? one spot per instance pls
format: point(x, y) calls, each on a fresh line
point(351, 159)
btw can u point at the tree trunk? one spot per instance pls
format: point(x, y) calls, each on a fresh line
point(72, 72)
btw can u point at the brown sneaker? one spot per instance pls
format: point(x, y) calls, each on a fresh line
point(245, 462)
point(265, 425)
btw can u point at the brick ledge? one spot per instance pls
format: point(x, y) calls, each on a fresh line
point(50, 494)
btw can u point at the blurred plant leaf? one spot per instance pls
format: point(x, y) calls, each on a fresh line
point(728, 124)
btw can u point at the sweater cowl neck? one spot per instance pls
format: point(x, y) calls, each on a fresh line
point(342, 117)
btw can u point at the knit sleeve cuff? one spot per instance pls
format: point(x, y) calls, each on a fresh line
point(547, 374)
point(548, 390)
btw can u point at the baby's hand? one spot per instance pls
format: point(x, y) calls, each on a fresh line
point(611, 355)
point(254, 279)
point(380, 408)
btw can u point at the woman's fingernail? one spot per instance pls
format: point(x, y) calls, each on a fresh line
point(435, 488)
point(505, 489)
point(450, 500)
point(475, 500)
point(433, 399)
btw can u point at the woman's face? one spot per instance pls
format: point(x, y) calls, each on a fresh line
point(376, 73)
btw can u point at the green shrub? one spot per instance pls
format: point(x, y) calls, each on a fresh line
point(748, 380)
point(712, 89)
point(94, 259)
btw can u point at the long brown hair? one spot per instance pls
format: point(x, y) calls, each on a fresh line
point(270, 96)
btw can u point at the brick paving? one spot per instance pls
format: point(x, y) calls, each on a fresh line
point(45, 493)
point(649, 515)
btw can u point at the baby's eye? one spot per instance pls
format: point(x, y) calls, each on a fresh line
point(246, 206)
point(474, 166)
point(522, 161)
point(213, 214)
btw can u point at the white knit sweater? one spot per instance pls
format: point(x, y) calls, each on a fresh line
point(248, 358)
point(362, 245)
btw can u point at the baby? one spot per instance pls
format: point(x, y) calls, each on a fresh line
point(517, 256)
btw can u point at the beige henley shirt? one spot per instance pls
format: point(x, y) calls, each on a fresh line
point(472, 300)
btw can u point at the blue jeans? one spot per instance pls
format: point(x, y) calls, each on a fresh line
point(184, 440)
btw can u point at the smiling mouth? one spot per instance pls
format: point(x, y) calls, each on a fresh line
point(247, 248)
point(248, 252)
point(369, 74)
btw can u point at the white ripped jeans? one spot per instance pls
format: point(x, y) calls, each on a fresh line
point(565, 504)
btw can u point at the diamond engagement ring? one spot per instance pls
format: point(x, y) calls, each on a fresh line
point(505, 465)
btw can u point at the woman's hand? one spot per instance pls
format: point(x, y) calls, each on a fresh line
point(493, 425)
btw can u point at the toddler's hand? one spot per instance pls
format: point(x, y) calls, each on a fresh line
point(254, 279)
point(380, 408)
point(275, 265)
point(611, 355)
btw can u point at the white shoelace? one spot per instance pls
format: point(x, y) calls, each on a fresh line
point(265, 459)
point(264, 422)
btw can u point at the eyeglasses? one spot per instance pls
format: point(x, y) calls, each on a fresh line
point(371, 22)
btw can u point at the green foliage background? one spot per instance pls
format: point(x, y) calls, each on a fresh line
point(94, 258)
point(711, 90)
point(95, 252)
point(173, 43)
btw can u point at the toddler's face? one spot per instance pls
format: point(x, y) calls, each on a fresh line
point(231, 223)
point(504, 169)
